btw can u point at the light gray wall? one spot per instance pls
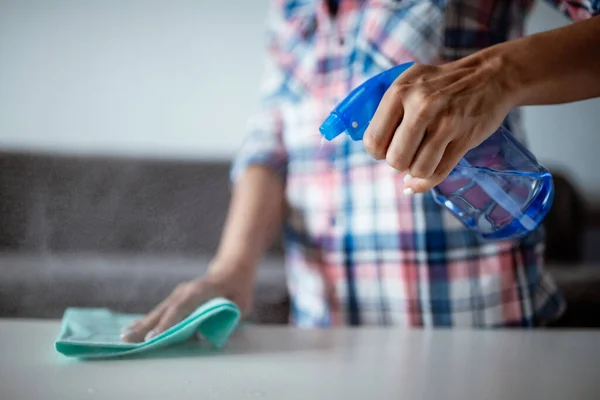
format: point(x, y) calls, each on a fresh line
point(147, 77)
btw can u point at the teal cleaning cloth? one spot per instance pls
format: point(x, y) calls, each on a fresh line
point(95, 332)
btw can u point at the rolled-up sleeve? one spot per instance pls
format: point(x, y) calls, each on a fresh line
point(263, 142)
point(577, 10)
point(263, 145)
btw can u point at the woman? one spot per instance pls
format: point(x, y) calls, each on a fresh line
point(363, 246)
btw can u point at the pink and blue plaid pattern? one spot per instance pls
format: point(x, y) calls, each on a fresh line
point(357, 250)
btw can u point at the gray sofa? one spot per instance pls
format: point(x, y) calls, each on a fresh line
point(122, 232)
point(113, 232)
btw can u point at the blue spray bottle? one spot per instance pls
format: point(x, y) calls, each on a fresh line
point(498, 189)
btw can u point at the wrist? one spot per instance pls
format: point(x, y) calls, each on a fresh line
point(231, 263)
point(503, 69)
point(229, 278)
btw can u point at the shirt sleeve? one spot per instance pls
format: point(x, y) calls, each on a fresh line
point(263, 143)
point(577, 10)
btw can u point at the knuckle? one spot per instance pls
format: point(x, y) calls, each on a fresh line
point(368, 141)
point(190, 290)
point(183, 291)
point(180, 288)
point(394, 160)
point(435, 100)
point(421, 68)
point(427, 102)
point(374, 147)
point(378, 155)
point(425, 105)
point(422, 170)
point(418, 71)
point(398, 90)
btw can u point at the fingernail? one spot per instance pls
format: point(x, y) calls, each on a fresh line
point(150, 335)
point(126, 331)
point(407, 178)
point(408, 191)
point(126, 335)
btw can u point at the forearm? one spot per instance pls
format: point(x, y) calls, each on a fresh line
point(255, 216)
point(553, 67)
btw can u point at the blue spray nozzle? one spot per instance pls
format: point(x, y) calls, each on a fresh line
point(332, 126)
point(353, 114)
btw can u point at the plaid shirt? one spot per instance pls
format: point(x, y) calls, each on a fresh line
point(357, 250)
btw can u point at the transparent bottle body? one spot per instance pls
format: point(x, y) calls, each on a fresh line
point(498, 189)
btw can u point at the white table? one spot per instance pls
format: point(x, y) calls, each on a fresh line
point(285, 363)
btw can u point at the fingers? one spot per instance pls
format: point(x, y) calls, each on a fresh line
point(137, 331)
point(409, 129)
point(430, 116)
point(449, 160)
point(406, 140)
point(170, 317)
point(430, 152)
point(154, 324)
point(384, 123)
point(175, 308)
point(400, 122)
